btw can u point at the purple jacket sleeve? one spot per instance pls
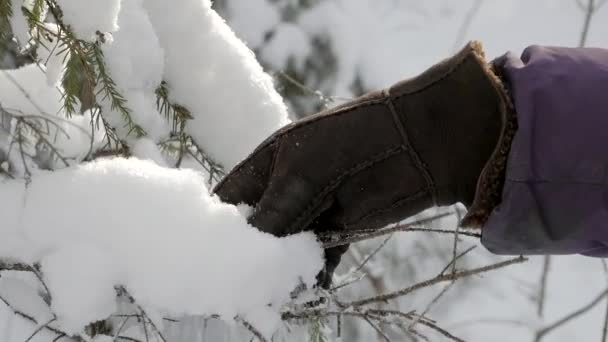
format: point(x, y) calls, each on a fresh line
point(555, 197)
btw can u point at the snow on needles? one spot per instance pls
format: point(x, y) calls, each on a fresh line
point(88, 17)
point(213, 74)
point(156, 231)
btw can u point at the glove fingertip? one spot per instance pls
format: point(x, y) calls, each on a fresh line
point(248, 180)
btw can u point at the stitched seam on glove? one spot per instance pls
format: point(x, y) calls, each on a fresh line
point(400, 125)
point(289, 128)
point(306, 216)
point(392, 206)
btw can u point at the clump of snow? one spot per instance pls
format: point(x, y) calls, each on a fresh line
point(19, 291)
point(26, 93)
point(213, 74)
point(26, 89)
point(21, 30)
point(52, 57)
point(87, 17)
point(135, 62)
point(156, 231)
point(145, 148)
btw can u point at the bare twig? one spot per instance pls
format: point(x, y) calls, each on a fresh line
point(40, 328)
point(307, 90)
point(438, 279)
point(421, 320)
point(14, 266)
point(466, 24)
point(378, 330)
point(544, 331)
point(122, 291)
point(543, 285)
point(453, 261)
point(121, 327)
point(605, 326)
point(251, 328)
point(31, 319)
point(590, 9)
point(372, 254)
point(334, 239)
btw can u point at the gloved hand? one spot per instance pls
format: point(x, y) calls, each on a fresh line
point(436, 139)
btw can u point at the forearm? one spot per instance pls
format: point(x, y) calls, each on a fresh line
point(555, 195)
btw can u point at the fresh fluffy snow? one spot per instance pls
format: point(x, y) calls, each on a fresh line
point(87, 17)
point(135, 61)
point(213, 74)
point(25, 92)
point(157, 231)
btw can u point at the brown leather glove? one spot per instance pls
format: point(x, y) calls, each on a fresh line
point(436, 139)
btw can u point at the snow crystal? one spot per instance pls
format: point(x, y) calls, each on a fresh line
point(157, 231)
point(213, 74)
point(87, 17)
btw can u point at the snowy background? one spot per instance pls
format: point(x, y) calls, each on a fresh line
point(177, 250)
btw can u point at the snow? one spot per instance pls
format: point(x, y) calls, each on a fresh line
point(156, 231)
point(26, 89)
point(213, 74)
point(145, 148)
point(253, 31)
point(87, 17)
point(137, 72)
point(19, 25)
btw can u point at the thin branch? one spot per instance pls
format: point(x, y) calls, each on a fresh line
point(39, 329)
point(14, 266)
point(121, 327)
point(307, 90)
point(466, 24)
point(453, 261)
point(251, 328)
point(122, 291)
point(372, 254)
point(605, 326)
point(438, 279)
point(378, 330)
point(590, 9)
point(31, 319)
point(541, 333)
point(421, 320)
point(334, 239)
point(543, 285)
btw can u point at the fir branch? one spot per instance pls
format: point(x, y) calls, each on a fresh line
point(72, 82)
point(175, 113)
point(34, 15)
point(251, 328)
point(6, 12)
point(315, 330)
point(108, 88)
